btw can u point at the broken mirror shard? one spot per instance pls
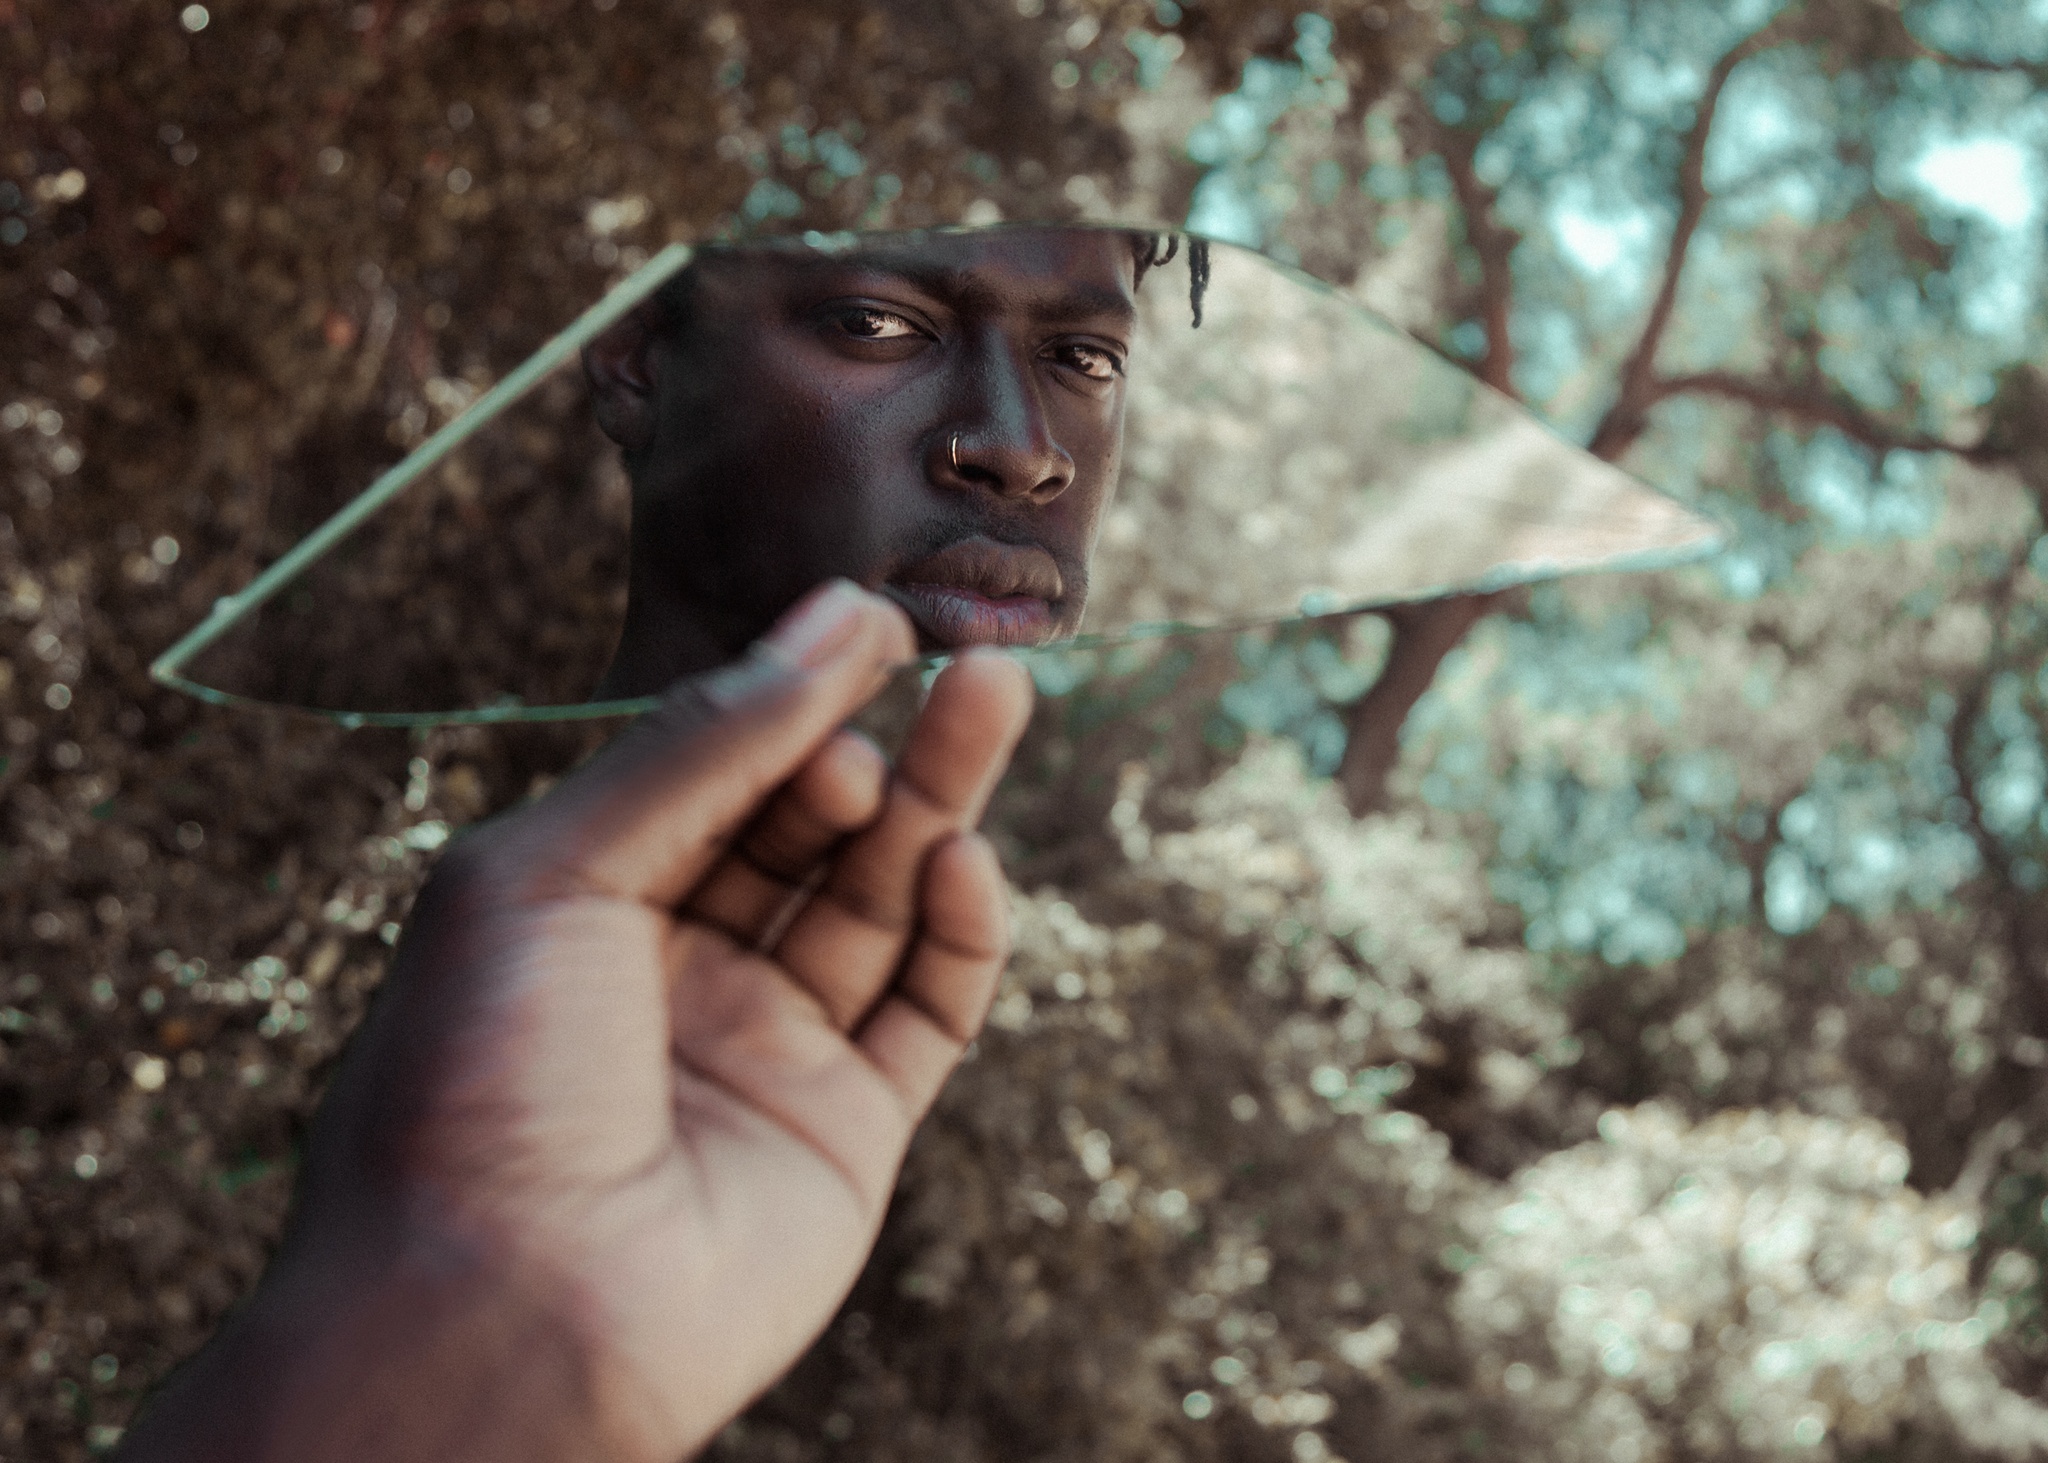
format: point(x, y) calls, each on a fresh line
point(1023, 434)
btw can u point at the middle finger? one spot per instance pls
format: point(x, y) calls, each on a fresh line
point(749, 892)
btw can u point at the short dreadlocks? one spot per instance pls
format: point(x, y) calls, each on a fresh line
point(1155, 249)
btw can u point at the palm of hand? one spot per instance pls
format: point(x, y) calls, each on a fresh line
point(682, 1068)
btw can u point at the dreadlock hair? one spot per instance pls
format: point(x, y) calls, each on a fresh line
point(1155, 249)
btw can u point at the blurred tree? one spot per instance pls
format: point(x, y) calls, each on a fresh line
point(1786, 260)
point(1620, 175)
point(1768, 832)
point(251, 251)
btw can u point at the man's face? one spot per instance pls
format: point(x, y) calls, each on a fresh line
point(938, 419)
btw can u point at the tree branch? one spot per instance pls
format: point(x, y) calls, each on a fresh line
point(1920, 50)
point(1494, 244)
point(1969, 713)
point(1812, 404)
point(1423, 635)
point(1626, 418)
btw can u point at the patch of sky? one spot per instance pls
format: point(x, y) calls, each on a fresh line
point(1991, 187)
point(1246, 194)
point(1772, 136)
point(1722, 306)
point(1763, 549)
point(1990, 177)
point(1646, 81)
point(1968, 157)
point(1549, 127)
point(1549, 350)
point(1992, 30)
point(1867, 834)
point(1606, 237)
point(1856, 494)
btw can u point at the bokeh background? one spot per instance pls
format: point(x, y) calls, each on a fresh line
point(1605, 1022)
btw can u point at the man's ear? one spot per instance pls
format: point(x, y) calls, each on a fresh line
point(619, 365)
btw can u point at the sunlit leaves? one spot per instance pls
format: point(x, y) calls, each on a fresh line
point(1248, 191)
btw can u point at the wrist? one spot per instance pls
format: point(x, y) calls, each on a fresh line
point(439, 1353)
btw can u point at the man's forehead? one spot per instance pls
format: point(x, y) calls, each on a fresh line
point(1055, 274)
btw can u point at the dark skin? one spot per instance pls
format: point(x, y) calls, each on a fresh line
point(937, 418)
point(622, 1125)
point(625, 1119)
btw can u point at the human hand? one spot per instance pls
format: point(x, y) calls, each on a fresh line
point(621, 1128)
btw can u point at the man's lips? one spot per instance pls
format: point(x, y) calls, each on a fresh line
point(980, 592)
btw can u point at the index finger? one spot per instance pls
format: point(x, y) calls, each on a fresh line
point(847, 943)
point(646, 818)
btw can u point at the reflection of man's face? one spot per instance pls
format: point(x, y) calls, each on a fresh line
point(938, 419)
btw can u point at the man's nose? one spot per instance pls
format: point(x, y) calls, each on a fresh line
point(1002, 438)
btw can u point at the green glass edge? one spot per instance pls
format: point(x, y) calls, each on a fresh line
point(167, 669)
point(1648, 561)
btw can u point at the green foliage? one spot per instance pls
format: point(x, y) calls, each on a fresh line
point(1786, 260)
point(1854, 257)
point(1293, 682)
point(1247, 192)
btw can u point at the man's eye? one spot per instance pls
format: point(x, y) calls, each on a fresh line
point(1092, 361)
point(869, 324)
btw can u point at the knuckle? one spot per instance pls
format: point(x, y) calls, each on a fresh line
point(872, 907)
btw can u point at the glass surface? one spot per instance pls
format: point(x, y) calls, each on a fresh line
point(1022, 434)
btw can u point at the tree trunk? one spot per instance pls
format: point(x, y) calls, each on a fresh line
point(1423, 635)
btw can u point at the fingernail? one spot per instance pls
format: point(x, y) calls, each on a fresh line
point(819, 624)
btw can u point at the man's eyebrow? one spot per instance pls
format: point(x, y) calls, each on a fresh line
point(1075, 303)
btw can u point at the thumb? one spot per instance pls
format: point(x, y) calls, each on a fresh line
point(647, 817)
